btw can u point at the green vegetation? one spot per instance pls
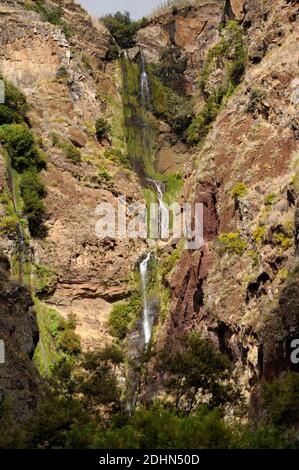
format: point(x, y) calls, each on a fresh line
point(122, 28)
point(32, 191)
point(232, 243)
point(122, 315)
point(43, 278)
point(228, 54)
point(173, 108)
point(22, 149)
point(196, 373)
point(83, 407)
point(15, 108)
point(58, 340)
point(103, 129)
point(239, 191)
point(104, 177)
point(25, 158)
point(281, 400)
point(270, 199)
point(258, 234)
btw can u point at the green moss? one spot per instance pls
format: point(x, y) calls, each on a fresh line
point(232, 243)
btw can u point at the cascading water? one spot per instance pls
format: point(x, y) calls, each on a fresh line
point(144, 85)
point(147, 317)
point(163, 211)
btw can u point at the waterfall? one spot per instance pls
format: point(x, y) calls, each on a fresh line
point(147, 317)
point(163, 211)
point(144, 85)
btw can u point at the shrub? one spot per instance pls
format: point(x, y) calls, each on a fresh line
point(103, 128)
point(104, 176)
point(239, 191)
point(259, 234)
point(8, 225)
point(21, 147)
point(15, 108)
point(32, 191)
point(116, 156)
point(30, 182)
point(270, 199)
point(69, 342)
point(232, 243)
point(34, 210)
point(71, 152)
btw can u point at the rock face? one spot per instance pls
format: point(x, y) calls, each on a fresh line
point(19, 379)
point(229, 294)
point(69, 85)
point(192, 30)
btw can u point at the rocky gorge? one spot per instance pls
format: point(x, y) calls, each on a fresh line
point(215, 123)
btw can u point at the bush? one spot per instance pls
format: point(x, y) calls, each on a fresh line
point(122, 28)
point(121, 316)
point(239, 191)
point(30, 182)
point(21, 147)
point(103, 129)
point(232, 243)
point(72, 153)
point(34, 210)
point(8, 225)
point(69, 342)
point(15, 108)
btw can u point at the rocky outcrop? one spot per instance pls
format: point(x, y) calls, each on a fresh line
point(228, 292)
point(19, 378)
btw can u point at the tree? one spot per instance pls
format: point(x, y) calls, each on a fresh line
point(103, 129)
point(195, 369)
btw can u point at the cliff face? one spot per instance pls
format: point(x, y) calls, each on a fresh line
point(245, 173)
point(192, 30)
point(68, 86)
point(19, 378)
point(230, 292)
